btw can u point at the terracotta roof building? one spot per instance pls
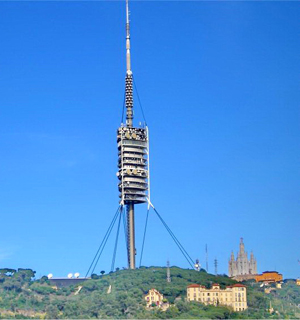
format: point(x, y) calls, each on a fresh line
point(269, 276)
point(234, 296)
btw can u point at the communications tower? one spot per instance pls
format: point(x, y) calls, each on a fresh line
point(132, 158)
point(134, 177)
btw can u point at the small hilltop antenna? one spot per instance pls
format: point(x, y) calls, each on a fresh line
point(206, 256)
point(216, 267)
point(168, 272)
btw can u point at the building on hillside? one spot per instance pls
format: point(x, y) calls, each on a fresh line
point(242, 268)
point(298, 282)
point(234, 296)
point(269, 276)
point(155, 298)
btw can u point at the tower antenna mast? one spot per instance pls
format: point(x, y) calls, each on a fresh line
point(129, 87)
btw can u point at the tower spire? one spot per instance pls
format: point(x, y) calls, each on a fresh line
point(128, 61)
point(128, 79)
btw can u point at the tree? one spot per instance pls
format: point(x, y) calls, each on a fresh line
point(102, 272)
point(52, 312)
point(25, 274)
point(7, 271)
point(44, 279)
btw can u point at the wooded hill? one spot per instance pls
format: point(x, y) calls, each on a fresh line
point(23, 297)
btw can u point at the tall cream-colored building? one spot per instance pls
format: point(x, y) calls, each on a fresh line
point(234, 296)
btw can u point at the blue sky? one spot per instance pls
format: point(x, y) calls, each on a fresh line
point(219, 83)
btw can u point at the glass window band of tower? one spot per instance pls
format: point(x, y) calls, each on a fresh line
point(132, 163)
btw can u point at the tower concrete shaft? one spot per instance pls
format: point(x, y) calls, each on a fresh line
point(130, 236)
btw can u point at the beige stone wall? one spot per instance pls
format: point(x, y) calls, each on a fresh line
point(245, 277)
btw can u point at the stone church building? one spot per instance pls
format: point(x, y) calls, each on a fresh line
point(242, 268)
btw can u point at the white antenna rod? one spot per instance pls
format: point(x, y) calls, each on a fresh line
point(128, 62)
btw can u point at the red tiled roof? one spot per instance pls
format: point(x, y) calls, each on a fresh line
point(238, 285)
point(194, 286)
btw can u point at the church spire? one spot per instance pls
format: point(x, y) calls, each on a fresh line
point(242, 246)
point(232, 256)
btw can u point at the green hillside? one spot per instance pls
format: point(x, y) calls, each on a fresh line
point(22, 297)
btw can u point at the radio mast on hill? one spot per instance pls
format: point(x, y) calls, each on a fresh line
point(133, 175)
point(133, 152)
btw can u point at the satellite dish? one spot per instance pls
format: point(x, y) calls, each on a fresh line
point(70, 275)
point(128, 171)
point(50, 276)
point(134, 135)
point(76, 275)
point(134, 171)
point(127, 135)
